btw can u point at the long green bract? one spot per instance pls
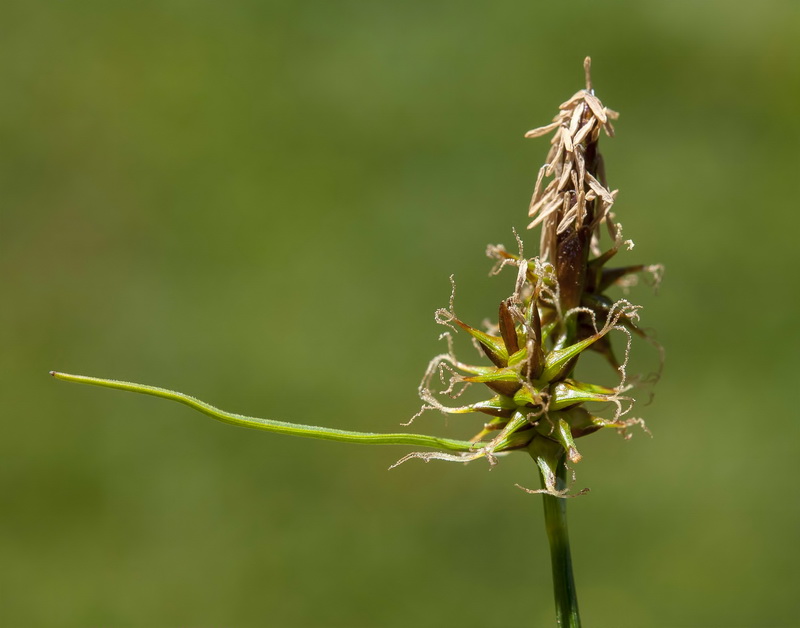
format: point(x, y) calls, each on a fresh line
point(269, 425)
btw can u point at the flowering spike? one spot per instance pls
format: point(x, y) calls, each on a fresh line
point(559, 307)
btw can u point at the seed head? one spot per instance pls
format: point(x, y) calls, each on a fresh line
point(557, 310)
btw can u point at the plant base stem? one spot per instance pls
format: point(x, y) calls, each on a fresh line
point(555, 517)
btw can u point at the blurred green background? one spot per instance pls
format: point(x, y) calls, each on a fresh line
point(260, 203)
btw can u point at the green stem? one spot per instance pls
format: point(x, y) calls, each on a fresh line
point(269, 425)
point(555, 517)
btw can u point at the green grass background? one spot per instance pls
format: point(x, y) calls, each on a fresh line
point(260, 203)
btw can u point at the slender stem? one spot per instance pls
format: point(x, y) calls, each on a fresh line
point(555, 517)
point(270, 425)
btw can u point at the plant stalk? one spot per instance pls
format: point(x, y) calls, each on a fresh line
point(270, 425)
point(555, 517)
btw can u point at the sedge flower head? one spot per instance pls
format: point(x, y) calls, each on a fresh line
point(558, 310)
